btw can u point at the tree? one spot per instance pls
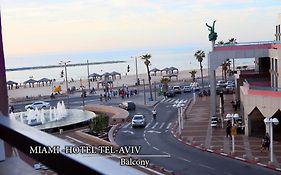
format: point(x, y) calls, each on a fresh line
point(99, 123)
point(193, 73)
point(146, 58)
point(220, 42)
point(200, 55)
point(165, 82)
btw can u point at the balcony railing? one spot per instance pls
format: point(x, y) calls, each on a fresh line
point(23, 137)
point(248, 43)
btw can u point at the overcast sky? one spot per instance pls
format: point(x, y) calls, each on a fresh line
point(33, 27)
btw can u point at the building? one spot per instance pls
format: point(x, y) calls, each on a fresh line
point(258, 89)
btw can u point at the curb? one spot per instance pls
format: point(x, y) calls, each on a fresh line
point(218, 152)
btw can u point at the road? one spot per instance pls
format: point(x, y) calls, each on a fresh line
point(159, 146)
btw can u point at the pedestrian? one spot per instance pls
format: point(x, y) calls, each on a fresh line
point(101, 97)
point(265, 143)
point(228, 130)
point(11, 108)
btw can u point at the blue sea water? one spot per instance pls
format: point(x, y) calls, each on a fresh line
point(181, 57)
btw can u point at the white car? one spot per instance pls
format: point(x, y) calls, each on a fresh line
point(138, 120)
point(195, 86)
point(177, 89)
point(221, 83)
point(186, 89)
point(38, 105)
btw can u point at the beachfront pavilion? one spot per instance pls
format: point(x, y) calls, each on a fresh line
point(11, 84)
point(170, 76)
point(94, 76)
point(166, 70)
point(106, 76)
point(114, 74)
point(31, 82)
point(172, 69)
point(105, 84)
point(45, 81)
point(258, 90)
point(154, 70)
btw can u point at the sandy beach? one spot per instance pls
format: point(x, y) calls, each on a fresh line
point(129, 80)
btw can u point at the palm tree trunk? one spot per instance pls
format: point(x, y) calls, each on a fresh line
point(224, 75)
point(149, 80)
point(201, 69)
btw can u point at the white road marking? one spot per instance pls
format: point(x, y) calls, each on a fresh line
point(154, 125)
point(184, 159)
point(169, 125)
point(151, 131)
point(172, 101)
point(166, 153)
point(127, 131)
point(155, 148)
point(126, 126)
point(147, 125)
point(168, 100)
point(205, 166)
point(162, 125)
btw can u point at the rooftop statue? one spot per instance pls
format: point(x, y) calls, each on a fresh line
point(213, 35)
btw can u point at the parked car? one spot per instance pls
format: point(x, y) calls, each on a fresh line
point(186, 89)
point(221, 83)
point(128, 105)
point(138, 120)
point(170, 93)
point(230, 83)
point(38, 105)
point(177, 89)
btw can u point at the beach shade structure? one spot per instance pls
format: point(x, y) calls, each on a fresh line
point(44, 81)
point(170, 76)
point(166, 69)
point(11, 84)
point(106, 84)
point(114, 74)
point(172, 69)
point(31, 82)
point(154, 70)
point(106, 75)
point(94, 76)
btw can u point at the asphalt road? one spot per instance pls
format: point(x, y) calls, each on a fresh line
point(159, 146)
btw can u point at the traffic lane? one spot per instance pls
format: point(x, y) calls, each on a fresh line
point(204, 160)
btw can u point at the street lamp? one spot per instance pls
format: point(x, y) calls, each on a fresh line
point(269, 122)
point(233, 129)
point(137, 77)
point(180, 105)
point(66, 81)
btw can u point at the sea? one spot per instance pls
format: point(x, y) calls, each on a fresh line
point(181, 58)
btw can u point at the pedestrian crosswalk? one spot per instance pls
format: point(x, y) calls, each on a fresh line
point(152, 125)
point(172, 100)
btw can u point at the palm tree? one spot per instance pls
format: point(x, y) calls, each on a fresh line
point(220, 42)
point(165, 82)
point(200, 55)
point(193, 73)
point(146, 58)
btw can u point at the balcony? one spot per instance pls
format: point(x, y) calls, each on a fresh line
point(23, 137)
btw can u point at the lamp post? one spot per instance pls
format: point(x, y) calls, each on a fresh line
point(269, 122)
point(233, 129)
point(144, 96)
point(88, 72)
point(66, 81)
point(137, 76)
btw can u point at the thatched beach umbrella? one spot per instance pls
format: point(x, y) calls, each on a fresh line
point(154, 70)
point(114, 74)
point(10, 84)
point(95, 76)
point(30, 82)
point(166, 69)
point(44, 80)
point(172, 69)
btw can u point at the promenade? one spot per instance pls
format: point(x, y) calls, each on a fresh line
point(197, 132)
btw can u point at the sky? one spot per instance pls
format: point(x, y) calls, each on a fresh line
point(102, 28)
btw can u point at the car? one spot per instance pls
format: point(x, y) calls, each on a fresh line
point(221, 83)
point(177, 89)
point(195, 86)
point(138, 120)
point(128, 105)
point(230, 83)
point(170, 93)
point(38, 105)
point(230, 86)
point(186, 89)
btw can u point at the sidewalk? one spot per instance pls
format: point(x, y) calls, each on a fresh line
point(197, 132)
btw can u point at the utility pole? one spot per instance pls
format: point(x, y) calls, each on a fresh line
point(137, 76)
point(88, 71)
point(144, 97)
point(155, 90)
point(66, 81)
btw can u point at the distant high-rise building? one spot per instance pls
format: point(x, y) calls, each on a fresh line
point(278, 28)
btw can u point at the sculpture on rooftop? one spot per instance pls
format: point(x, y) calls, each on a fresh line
point(213, 35)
